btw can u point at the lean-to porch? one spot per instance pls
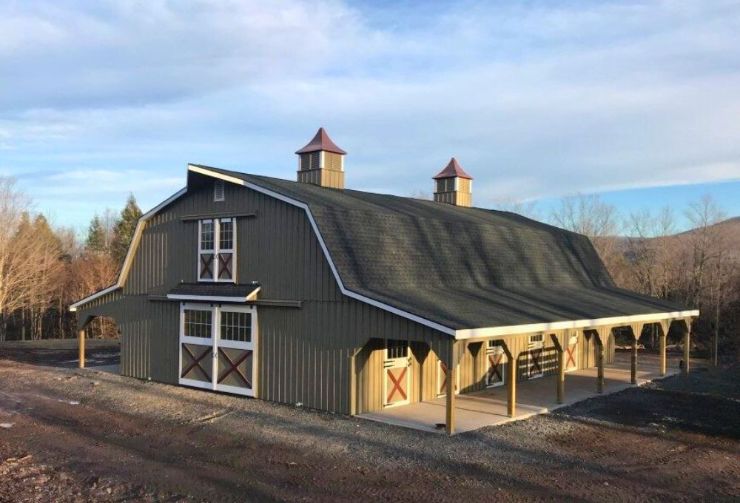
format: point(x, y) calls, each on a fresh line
point(536, 396)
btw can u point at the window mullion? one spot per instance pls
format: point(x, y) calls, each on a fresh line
point(216, 249)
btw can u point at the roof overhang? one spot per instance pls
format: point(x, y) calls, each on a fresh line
point(250, 297)
point(475, 333)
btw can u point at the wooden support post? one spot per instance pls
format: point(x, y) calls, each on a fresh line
point(81, 347)
point(450, 402)
point(561, 365)
point(511, 364)
point(353, 381)
point(663, 343)
point(633, 362)
point(511, 387)
point(636, 333)
point(602, 334)
point(686, 346)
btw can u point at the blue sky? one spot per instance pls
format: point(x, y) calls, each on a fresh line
point(639, 101)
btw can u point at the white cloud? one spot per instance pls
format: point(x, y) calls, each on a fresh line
point(535, 100)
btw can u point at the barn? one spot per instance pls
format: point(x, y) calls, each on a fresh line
point(353, 302)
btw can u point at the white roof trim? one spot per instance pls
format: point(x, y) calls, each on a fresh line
point(344, 290)
point(215, 298)
point(99, 293)
point(560, 325)
point(127, 262)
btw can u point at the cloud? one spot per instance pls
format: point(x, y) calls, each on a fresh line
point(535, 99)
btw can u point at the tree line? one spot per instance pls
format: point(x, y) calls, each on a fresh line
point(44, 269)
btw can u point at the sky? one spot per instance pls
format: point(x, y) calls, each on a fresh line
point(638, 101)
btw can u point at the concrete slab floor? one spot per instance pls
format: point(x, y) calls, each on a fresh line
point(536, 396)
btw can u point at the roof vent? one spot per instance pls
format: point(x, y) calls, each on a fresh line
point(321, 162)
point(453, 185)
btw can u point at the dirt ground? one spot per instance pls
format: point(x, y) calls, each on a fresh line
point(82, 435)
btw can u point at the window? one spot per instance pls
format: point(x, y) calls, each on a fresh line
point(236, 326)
point(396, 349)
point(216, 250)
point(218, 191)
point(197, 323)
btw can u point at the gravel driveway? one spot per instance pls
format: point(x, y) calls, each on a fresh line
point(71, 435)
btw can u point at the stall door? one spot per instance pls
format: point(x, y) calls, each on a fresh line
point(396, 373)
point(218, 347)
point(571, 354)
point(495, 365)
point(536, 356)
point(442, 378)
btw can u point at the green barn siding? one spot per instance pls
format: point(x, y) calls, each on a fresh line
point(303, 353)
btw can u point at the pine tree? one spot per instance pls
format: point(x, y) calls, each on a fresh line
point(95, 241)
point(123, 232)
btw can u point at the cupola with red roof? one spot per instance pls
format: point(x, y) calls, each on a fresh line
point(321, 162)
point(453, 185)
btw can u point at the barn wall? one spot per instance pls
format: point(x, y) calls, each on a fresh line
point(303, 352)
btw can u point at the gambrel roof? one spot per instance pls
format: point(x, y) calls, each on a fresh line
point(463, 270)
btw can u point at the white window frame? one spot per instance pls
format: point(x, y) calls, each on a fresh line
point(216, 250)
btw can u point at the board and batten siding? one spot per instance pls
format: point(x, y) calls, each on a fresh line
point(304, 353)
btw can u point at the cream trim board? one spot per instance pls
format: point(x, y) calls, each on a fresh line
point(560, 325)
point(92, 297)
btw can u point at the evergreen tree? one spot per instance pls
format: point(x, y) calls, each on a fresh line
point(95, 241)
point(123, 232)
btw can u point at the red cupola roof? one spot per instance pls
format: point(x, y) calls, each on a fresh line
point(452, 169)
point(321, 142)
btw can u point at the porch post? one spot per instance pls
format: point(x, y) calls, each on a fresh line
point(81, 347)
point(353, 381)
point(510, 380)
point(636, 333)
point(450, 402)
point(663, 342)
point(601, 334)
point(686, 346)
point(561, 365)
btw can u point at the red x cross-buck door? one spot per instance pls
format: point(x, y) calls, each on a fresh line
point(571, 354)
point(396, 373)
point(495, 365)
point(218, 347)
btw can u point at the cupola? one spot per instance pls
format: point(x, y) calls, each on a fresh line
point(453, 185)
point(321, 162)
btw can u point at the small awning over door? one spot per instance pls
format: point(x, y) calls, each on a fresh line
point(215, 292)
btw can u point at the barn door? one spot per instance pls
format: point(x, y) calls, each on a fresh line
point(396, 373)
point(235, 368)
point(571, 354)
point(218, 347)
point(442, 378)
point(495, 365)
point(535, 367)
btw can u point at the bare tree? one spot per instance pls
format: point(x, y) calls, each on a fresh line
point(589, 215)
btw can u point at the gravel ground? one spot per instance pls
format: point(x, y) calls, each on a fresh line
point(86, 435)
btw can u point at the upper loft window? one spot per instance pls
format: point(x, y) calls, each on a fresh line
point(219, 191)
point(217, 249)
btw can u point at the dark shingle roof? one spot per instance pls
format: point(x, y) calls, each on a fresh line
point(460, 267)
